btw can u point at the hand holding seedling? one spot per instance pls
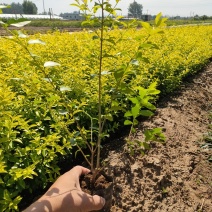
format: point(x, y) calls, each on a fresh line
point(66, 195)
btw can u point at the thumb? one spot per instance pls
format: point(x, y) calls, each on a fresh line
point(97, 203)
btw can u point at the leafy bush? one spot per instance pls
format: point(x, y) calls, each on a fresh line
point(30, 141)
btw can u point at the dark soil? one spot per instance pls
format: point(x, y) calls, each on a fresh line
point(175, 176)
point(102, 186)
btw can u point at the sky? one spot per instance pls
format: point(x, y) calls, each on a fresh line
point(184, 8)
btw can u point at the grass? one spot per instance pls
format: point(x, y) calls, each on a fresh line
point(185, 22)
point(208, 138)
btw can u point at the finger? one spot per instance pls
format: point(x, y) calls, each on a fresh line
point(77, 171)
point(95, 203)
point(75, 174)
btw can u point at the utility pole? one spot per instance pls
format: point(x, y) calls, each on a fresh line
point(44, 12)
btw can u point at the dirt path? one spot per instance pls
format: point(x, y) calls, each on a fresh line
point(176, 176)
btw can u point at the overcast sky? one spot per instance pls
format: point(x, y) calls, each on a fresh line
point(167, 7)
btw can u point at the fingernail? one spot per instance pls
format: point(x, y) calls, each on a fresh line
point(103, 201)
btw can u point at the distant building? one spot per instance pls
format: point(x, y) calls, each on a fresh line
point(131, 16)
point(76, 16)
point(146, 17)
point(143, 17)
point(30, 17)
point(177, 17)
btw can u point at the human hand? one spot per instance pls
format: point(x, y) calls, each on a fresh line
point(65, 195)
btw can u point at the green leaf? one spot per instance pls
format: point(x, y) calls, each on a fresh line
point(158, 19)
point(153, 85)
point(124, 87)
point(142, 92)
point(159, 22)
point(139, 55)
point(128, 114)
point(118, 74)
point(96, 7)
point(147, 104)
point(134, 100)
point(127, 122)
point(95, 37)
point(154, 135)
point(109, 55)
point(17, 79)
point(138, 38)
point(145, 145)
point(7, 195)
point(110, 40)
point(148, 45)
point(75, 5)
point(153, 92)
point(73, 141)
point(16, 201)
point(135, 122)
point(2, 167)
point(152, 89)
point(145, 46)
point(135, 110)
point(109, 117)
point(133, 130)
point(18, 140)
point(146, 113)
point(146, 60)
point(22, 183)
point(146, 25)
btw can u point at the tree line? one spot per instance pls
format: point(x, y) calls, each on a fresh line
point(27, 7)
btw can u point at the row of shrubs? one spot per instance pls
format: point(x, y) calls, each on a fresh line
point(37, 129)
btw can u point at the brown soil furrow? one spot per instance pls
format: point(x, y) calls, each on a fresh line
point(175, 176)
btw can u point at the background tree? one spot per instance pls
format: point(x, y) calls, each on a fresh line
point(204, 17)
point(15, 8)
point(29, 7)
point(135, 10)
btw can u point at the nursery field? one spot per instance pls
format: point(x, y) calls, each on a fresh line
point(49, 104)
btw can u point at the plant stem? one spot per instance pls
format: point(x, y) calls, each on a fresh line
point(100, 88)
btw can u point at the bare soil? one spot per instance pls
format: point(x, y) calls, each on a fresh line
point(175, 176)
